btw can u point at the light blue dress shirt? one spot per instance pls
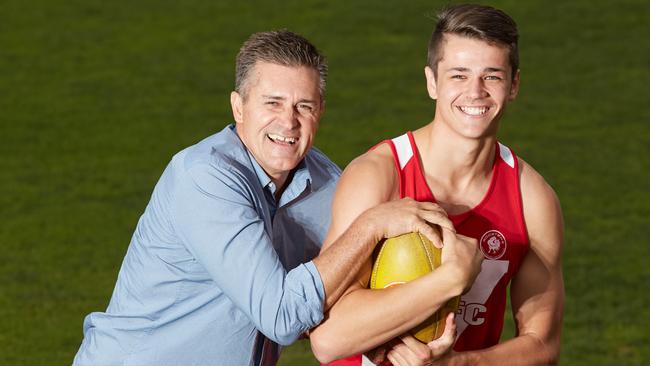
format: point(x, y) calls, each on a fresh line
point(213, 260)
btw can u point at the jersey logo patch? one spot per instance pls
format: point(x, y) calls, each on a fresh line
point(493, 244)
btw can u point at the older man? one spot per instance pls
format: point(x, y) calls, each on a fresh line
point(219, 270)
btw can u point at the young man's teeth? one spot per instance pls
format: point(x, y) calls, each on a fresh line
point(475, 111)
point(290, 140)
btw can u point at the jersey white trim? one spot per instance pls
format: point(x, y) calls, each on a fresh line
point(365, 361)
point(404, 149)
point(491, 273)
point(506, 155)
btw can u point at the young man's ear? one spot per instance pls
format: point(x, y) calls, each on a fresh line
point(514, 87)
point(236, 103)
point(431, 83)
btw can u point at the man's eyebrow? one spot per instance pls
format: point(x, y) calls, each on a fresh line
point(281, 98)
point(274, 97)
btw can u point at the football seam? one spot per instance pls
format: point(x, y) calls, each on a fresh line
point(426, 250)
point(375, 266)
point(436, 323)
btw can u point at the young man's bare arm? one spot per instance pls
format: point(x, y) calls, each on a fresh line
point(361, 319)
point(537, 291)
point(362, 220)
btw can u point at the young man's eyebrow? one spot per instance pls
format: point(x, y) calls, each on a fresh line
point(494, 69)
point(458, 69)
point(466, 69)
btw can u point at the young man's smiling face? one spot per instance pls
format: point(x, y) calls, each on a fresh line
point(473, 86)
point(278, 118)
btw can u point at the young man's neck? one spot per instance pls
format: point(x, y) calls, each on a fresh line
point(455, 155)
point(458, 169)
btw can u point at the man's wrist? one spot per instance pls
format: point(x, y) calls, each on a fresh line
point(468, 358)
point(459, 359)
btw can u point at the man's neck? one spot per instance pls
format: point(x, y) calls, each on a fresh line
point(281, 183)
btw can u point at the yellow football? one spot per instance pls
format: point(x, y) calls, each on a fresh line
point(404, 258)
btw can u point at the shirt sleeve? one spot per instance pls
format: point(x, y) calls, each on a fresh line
point(214, 215)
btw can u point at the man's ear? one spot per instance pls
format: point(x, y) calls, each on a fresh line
point(514, 87)
point(431, 83)
point(236, 103)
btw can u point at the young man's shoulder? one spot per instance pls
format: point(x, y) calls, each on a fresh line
point(541, 206)
point(534, 188)
point(377, 160)
point(376, 163)
point(370, 177)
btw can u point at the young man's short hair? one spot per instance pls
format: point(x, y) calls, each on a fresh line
point(474, 21)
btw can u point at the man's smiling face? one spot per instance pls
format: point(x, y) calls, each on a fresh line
point(278, 116)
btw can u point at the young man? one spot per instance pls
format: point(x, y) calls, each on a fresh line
point(219, 269)
point(489, 194)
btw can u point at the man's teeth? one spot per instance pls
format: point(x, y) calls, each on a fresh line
point(474, 111)
point(289, 140)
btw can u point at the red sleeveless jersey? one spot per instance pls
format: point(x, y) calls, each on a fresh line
point(497, 222)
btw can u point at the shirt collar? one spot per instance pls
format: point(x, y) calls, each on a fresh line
point(300, 180)
point(264, 179)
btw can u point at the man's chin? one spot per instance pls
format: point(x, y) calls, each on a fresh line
point(286, 165)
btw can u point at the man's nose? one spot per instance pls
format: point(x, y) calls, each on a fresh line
point(289, 117)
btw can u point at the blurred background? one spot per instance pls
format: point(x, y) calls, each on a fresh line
point(96, 97)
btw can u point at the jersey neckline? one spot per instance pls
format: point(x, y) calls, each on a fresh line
point(456, 218)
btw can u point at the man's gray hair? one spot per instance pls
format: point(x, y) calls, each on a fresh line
point(280, 47)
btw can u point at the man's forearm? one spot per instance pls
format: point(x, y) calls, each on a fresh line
point(339, 264)
point(523, 350)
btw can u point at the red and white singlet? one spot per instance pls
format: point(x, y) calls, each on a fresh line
point(497, 222)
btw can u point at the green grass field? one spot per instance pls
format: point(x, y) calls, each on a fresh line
point(96, 96)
